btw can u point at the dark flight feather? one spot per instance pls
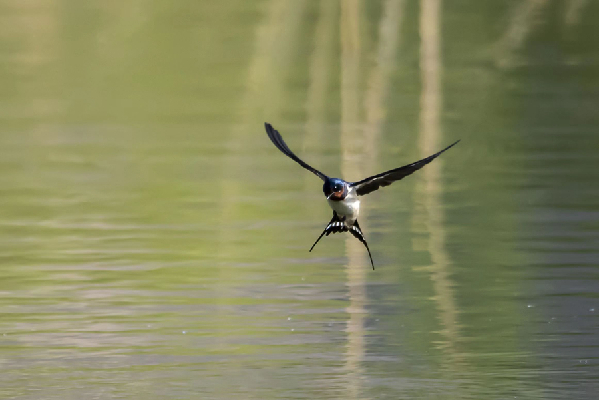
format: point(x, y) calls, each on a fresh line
point(372, 183)
point(278, 141)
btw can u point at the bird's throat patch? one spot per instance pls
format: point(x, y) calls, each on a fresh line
point(337, 196)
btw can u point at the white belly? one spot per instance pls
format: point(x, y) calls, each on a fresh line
point(348, 208)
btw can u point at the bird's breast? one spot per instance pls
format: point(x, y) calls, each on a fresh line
point(348, 207)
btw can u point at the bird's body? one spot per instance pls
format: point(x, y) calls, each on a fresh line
point(348, 208)
point(342, 196)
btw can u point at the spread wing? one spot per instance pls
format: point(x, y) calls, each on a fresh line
point(372, 183)
point(278, 141)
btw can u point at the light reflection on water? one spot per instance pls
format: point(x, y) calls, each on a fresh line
point(154, 243)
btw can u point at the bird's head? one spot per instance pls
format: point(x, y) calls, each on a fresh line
point(335, 189)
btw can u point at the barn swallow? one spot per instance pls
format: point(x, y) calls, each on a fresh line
point(342, 196)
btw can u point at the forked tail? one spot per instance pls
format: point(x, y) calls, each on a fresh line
point(338, 225)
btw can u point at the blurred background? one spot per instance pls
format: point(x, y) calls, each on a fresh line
point(154, 243)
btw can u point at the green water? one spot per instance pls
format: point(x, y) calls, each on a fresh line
point(154, 243)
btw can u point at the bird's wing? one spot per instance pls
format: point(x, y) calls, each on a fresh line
point(278, 141)
point(372, 183)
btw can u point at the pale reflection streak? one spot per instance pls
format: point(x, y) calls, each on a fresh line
point(275, 43)
point(357, 163)
point(351, 162)
point(264, 93)
point(38, 35)
point(320, 65)
point(320, 76)
point(378, 81)
point(524, 18)
point(124, 20)
point(574, 10)
point(37, 32)
point(429, 143)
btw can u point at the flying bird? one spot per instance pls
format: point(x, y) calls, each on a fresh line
point(342, 196)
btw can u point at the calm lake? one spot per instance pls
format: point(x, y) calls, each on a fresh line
point(154, 243)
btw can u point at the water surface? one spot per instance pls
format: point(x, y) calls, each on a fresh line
point(153, 242)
